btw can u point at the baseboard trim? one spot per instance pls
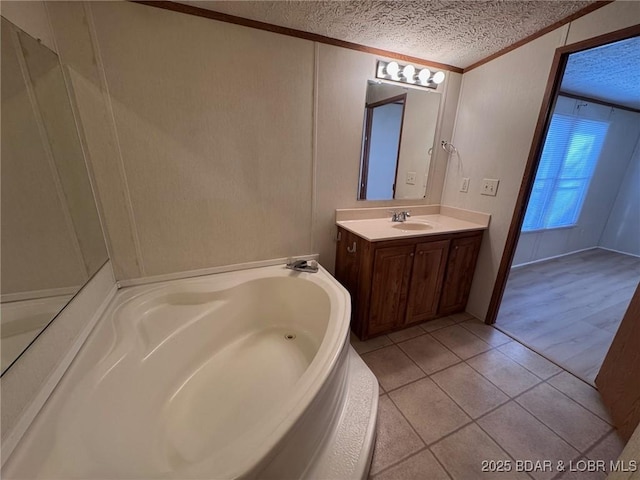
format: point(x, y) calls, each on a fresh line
point(541, 260)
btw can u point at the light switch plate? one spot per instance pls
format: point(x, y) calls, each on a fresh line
point(411, 178)
point(489, 186)
point(464, 185)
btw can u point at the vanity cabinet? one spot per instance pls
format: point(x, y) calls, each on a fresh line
point(398, 283)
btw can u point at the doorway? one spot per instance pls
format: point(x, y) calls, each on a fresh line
point(381, 150)
point(572, 259)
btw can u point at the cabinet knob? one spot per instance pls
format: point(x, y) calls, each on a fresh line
point(411, 254)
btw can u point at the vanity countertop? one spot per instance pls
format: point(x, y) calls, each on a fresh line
point(425, 221)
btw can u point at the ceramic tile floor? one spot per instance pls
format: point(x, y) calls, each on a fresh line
point(455, 392)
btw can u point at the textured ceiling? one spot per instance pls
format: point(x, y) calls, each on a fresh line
point(457, 33)
point(610, 72)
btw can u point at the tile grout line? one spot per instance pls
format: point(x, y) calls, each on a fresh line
point(498, 443)
point(417, 452)
point(536, 353)
point(582, 452)
point(419, 325)
point(579, 403)
point(540, 380)
point(492, 347)
point(529, 345)
point(427, 446)
point(511, 398)
point(440, 463)
point(599, 441)
point(472, 420)
point(428, 375)
point(408, 422)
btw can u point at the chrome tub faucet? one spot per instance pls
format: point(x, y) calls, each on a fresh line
point(310, 266)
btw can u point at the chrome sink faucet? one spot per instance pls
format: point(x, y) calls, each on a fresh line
point(400, 216)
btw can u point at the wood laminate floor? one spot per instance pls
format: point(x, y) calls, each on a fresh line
point(568, 309)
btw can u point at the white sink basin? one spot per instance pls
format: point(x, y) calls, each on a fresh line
point(411, 226)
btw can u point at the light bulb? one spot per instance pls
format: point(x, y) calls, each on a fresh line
point(438, 77)
point(424, 75)
point(408, 72)
point(392, 69)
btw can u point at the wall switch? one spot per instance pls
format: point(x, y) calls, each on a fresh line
point(411, 178)
point(464, 185)
point(489, 186)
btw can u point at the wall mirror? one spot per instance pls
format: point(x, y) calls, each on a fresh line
point(52, 241)
point(397, 141)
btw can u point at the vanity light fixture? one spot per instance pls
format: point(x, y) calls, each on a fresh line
point(422, 77)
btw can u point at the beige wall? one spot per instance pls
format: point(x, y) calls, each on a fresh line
point(214, 129)
point(194, 169)
point(31, 17)
point(499, 106)
point(71, 24)
point(213, 144)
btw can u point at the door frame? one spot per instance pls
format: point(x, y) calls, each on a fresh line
point(366, 148)
point(544, 119)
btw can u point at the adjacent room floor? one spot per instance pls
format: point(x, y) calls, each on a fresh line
point(457, 395)
point(568, 309)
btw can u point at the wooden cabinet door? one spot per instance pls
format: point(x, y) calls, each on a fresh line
point(389, 288)
point(463, 255)
point(426, 280)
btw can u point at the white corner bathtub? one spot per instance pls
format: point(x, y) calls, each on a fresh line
point(245, 374)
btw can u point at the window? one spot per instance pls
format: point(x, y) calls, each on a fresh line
point(569, 157)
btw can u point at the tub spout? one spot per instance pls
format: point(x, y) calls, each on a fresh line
point(310, 266)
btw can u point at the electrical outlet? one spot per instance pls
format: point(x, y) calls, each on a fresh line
point(464, 185)
point(489, 187)
point(411, 178)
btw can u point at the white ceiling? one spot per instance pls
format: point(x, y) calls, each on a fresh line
point(610, 73)
point(457, 33)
